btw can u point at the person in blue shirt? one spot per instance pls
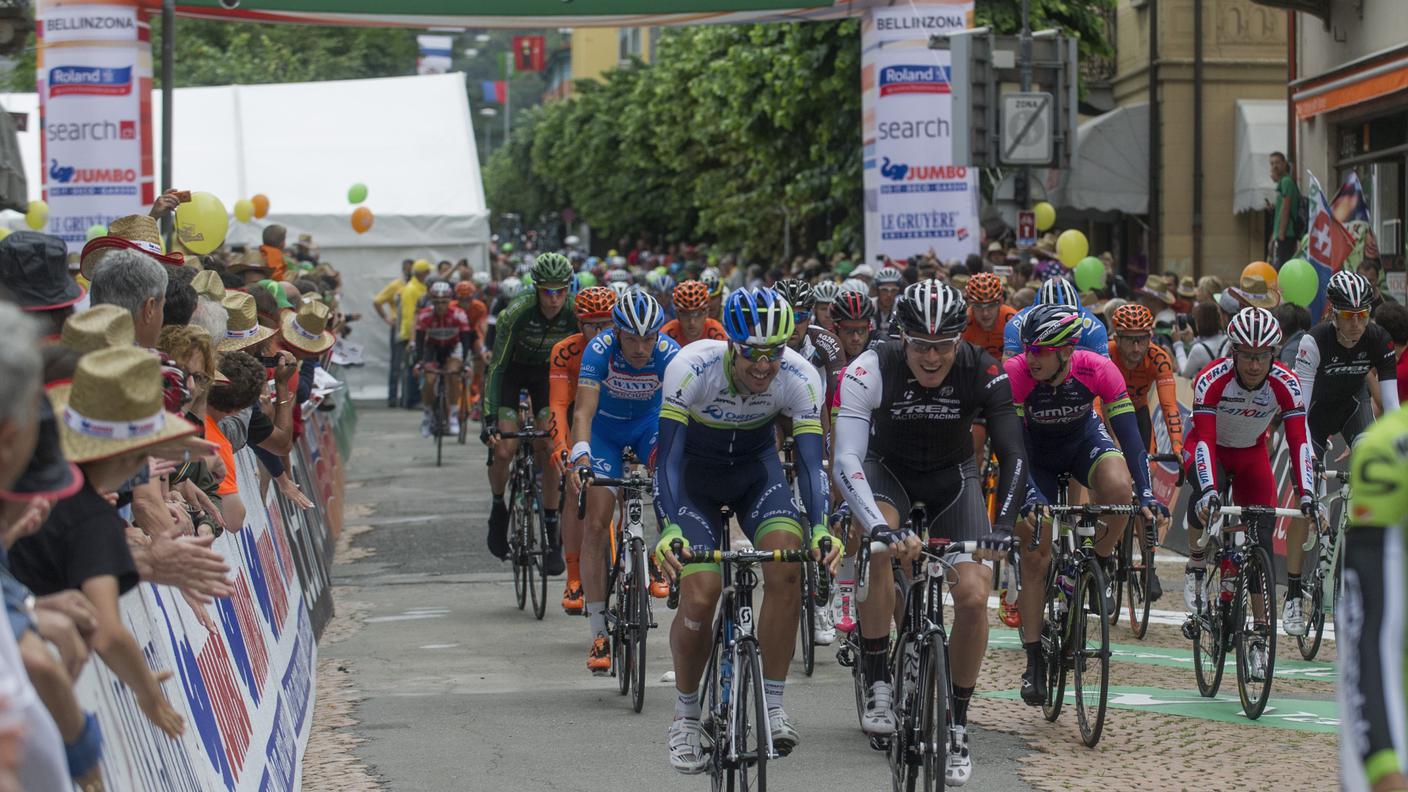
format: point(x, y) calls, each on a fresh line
point(617, 406)
point(1058, 291)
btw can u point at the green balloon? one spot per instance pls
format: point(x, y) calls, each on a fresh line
point(357, 193)
point(1298, 281)
point(1090, 274)
point(95, 231)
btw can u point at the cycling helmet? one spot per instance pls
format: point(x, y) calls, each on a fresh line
point(1057, 291)
point(758, 317)
point(527, 280)
point(1133, 318)
point(1052, 325)
point(552, 268)
point(1348, 291)
point(853, 306)
point(585, 280)
point(691, 296)
point(620, 288)
point(889, 276)
point(855, 284)
point(1254, 328)
point(618, 276)
point(984, 287)
point(595, 302)
point(664, 284)
point(510, 287)
point(464, 290)
point(933, 308)
point(825, 291)
point(710, 279)
point(639, 313)
point(798, 293)
point(441, 290)
point(481, 279)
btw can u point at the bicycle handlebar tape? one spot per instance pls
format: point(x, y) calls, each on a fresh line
point(673, 601)
point(823, 577)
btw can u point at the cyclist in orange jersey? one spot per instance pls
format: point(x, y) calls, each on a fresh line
point(467, 299)
point(987, 313)
point(692, 320)
point(593, 308)
point(1143, 364)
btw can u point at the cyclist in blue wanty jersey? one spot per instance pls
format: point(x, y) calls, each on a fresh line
point(1057, 291)
point(618, 405)
point(717, 449)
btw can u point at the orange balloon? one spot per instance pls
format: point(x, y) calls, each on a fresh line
point(261, 204)
point(1266, 271)
point(362, 219)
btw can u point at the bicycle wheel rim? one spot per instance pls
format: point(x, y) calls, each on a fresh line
point(515, 518)
point(1123, 562)
point(1209, 646)
point(540, 593)
point(808, 625)
point(902, 767)
point(1309, 644)
point(1090, 662)
point(750, 730)
point(620, 640)
point(1053, 629)
point(1254, 693)
point(1140, 582)
point(640, 629)
point(933, 715)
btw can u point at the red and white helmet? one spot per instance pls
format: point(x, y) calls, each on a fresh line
point(1254, 328)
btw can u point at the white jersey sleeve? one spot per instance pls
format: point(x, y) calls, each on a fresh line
point(861, 390)
point(1307, 363)
point(684, 380)
point(802, 392)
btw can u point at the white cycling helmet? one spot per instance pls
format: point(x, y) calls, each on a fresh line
point(639, 313)
point(889, 276)
point(855, 285)
point(1058, 291)
point(1254, 328)
point(621, 288)
point(510, 287)
point(825, 291)
point(481, 279)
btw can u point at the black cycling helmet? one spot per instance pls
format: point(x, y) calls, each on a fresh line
point(797, 293)
point(852, 306)
point(1348, 291)
point(932, 307)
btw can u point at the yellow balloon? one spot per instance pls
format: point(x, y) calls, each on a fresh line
point(1071, 247)
point(244, 210)
point(37, 216)
point(1045, 216)
point(201, 223)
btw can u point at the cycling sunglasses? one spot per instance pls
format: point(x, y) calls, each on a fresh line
point(555, 291)
point(852, 331)
point(760, 354)
point(801, 316)
point(1038, 349)
point(926, 345)
point(1362, 313)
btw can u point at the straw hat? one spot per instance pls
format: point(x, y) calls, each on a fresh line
point(1187, 287)
point(208, 284)
point(252, 259)
point(243, 330)
point(113, 406)
point(1046, 245)
point(1254, 291)
point(306, 329)
point(99, 327)
point(133, 232)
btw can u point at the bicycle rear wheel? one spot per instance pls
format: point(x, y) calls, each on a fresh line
point(751, 737)
point(640, 622)
point(441, 419)
point(517, 504)
point(617, 610)
point(1118, 572)
point(932, 725)
point(1090, 657)
point(1309, 644)
point(904, 762)
point(537, 547)
point(1209, 639)
point(1139, 572)
point(1255, 690)
point(1053, 647)
point(808, 620)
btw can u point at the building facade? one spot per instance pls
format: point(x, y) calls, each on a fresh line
point(594, 51)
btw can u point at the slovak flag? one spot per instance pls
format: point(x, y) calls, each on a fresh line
point(1327, 245)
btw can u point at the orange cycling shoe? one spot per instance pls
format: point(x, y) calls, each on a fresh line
point(1008, 612)
point(599, 658)
point(572, 599)
point(659, 586)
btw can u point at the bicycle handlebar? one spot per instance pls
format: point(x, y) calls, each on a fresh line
point(1251, 511)
point(527, 434)
point(1173, 459)
point(1096, 509)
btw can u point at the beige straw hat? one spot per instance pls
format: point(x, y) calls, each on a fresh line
point(1254, 291)
point(133, 232)
point(306, 329)
point(114, 405)
point(208, 284)
point(252, 259)
point(243, 329)
point(99, 327)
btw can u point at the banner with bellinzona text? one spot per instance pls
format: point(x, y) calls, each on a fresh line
point(916, 199)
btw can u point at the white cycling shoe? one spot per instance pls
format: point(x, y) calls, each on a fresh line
point(960, 761)
point(784, 734)
point(689, 746)
point(1293, 617)
point(879, 718)
point(824, 630)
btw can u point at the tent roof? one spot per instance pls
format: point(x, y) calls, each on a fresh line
point(409, 139)
point(1261, 129)
point(1110, 167)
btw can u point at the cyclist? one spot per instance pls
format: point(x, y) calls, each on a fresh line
point(467, 298)
point(1370, 618)
point(663, 287)
point(710, 278)
point(443, 337)
point(1234, 401)
point(853, 311)
point(527, 330)
point(717, 449)
point(819, 346)
point(825, 292)
point(508, 289)
point(1054, 387)
point(1333, 365)
point(593, 308)
point(901, 436)
point(887, 288)
point(617, 405)
point(1058, 291)
point(692, 320)
point(987, 313)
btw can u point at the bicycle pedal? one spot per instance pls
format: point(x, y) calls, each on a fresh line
point(844, 657)
point(1190, 628)
point(881, 744)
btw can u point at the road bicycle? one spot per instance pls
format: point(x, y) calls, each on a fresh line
point(439, 409)
point(1134, 568)
point(815, 584)
point(1322, 586)
point(527, 537)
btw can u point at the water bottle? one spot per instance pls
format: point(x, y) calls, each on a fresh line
point(845, 593)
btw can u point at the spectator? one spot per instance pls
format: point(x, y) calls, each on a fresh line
point(99, 327)
point(1023, 297)
point(245, 382)
point(305, 250)
point(1294, 321)
point(135, 282)
point(1393, 317)
point(1209, 286)
point(997, 256)
point(180, 296)
point(1284, 234)
point(243, 329)
point(1371, 269)
point(272, 252)
point(251, 267)
point(1199, 345)
point(34, 269)
point(134, 232)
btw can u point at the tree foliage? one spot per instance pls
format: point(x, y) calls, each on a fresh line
point(1083, 18)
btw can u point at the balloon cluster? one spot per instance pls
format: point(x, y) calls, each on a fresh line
point(362, 217)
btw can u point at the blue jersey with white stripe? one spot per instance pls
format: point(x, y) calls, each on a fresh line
point(627, 392)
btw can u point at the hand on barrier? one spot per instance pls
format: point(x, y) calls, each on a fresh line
point(159, 711)
point(189, 564)
point(59, 630)
point(291, 491)
point(73, 604)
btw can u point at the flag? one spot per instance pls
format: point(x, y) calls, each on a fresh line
point(495, 90)
point(529, 53)
point(1349, 203)
point(1327, 245)
point(434, 54)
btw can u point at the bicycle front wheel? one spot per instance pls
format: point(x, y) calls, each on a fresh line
point(904, 671)
point(750, 735)
point(621, 645)
point(1255, 632)
point(1053, 646)
point(1314, 600)
point(808, 620)
point(640, 622)
point(517, 506)
point(1090, 653)
point(1209, 638)
point(933, 714)
point(1139, 574)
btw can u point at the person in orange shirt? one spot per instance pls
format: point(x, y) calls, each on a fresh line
point(273, 250)
point(478, 314)
point(987, 313)
point(692, 320)
point(1144, 363)
point(593, 308)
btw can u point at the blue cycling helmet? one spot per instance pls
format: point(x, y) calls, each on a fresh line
point(639, 313)
point(758, 317)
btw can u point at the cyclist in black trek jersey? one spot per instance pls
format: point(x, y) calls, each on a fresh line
point(1333, 365)
point(902, 436)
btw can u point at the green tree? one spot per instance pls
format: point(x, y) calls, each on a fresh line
point(1083, 18)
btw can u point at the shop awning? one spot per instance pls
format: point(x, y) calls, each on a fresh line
point(1110, 167)
point(1261, 129)
point(1370, 77)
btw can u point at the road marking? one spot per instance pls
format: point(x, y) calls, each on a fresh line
point(1295, 714)
point(440, 646)
point(1003, 638)
point(413, 614)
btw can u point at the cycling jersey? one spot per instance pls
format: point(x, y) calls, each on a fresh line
point(1155, 369)
point(1093, 337)
point(478, 314)
point(442, 336)
point(523, 339)
point(1332, 378)
point(626, 392)
point(1228, 415)
point(989, 340)
point(886, 415)
point(822, 349)
point(563, 366)
point(713, 331)
point(1063, 417)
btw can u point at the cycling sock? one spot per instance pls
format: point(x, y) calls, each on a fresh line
point(875, 653)
point(1293, 590)
point(499, 500)
point(687, 705)
point(1196, 558)
point(596, 618)
point(574, 566)
point(550, 518)
point(772, 691)
point(961, 697)
point(1033, 653)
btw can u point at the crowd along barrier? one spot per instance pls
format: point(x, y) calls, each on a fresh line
point(246, 688)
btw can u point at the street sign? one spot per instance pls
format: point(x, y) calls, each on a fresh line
point(1026, 229)
point(1026, 129)
point(1004, 197)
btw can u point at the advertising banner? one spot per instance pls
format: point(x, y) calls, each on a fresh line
point(916, 199)
point(94, 75)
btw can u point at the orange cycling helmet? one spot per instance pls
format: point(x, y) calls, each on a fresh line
point(691, 295)
point(1133, 318)
point(464, 290)
point(983, 287)
point(595, 302)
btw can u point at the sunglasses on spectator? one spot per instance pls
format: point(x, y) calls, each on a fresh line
point(760, 354)
point(931, 345)
point(1362, 313)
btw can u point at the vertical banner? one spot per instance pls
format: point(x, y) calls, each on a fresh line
point(916, 199)
point(435, 54)
point(94, 75)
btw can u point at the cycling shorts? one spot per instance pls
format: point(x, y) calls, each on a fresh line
point(757, 492)
point(610, 437)
point(1347, 419)
point(440, 355)
point(533, 379)
point(953, 498)
point(1370, 626)
point(1077, 454)
point(1246, 473)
